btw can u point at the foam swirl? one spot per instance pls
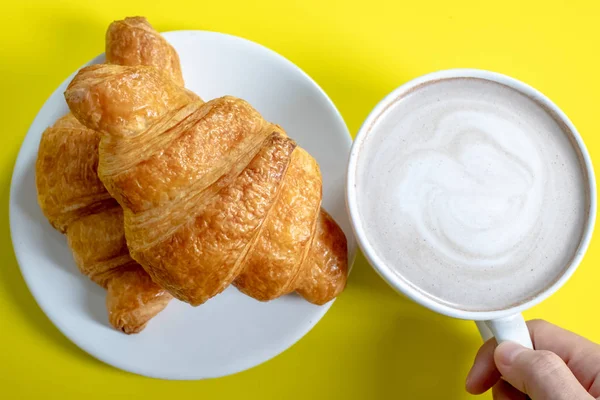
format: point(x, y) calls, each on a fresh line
point(475, 189)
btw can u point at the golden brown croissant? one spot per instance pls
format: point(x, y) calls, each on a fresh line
point(76, 202)
point(212, 192)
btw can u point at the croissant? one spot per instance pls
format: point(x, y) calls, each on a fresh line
point(212, 193)
point(76, 202)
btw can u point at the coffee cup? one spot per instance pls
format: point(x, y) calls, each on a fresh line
point(466, 181)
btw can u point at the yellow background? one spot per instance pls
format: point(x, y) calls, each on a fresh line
point(373, 343)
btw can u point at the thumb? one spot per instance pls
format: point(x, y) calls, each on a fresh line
point(539, 373)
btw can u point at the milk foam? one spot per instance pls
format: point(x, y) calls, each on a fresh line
point(472, 193)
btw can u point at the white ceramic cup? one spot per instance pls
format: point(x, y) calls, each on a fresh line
point(505, 324)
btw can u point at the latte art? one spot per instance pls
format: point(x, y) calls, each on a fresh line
point(472, 192)
point(483, 190)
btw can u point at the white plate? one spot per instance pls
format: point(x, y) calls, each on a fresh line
point(231, 332)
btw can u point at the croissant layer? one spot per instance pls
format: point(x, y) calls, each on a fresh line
point(212, 193)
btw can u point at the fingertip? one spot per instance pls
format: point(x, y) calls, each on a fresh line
point(483, 374)
point(471, 383)
point(506, 353)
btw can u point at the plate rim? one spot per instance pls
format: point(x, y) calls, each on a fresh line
point(245, 364)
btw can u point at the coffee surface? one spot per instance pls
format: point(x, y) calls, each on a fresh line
point(472, 192)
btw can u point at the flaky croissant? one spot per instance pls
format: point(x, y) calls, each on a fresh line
point(76, 202)
point(212, 193)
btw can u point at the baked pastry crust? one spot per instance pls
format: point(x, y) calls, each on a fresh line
point(75, 202)
point(212, 193)
point(133, 41)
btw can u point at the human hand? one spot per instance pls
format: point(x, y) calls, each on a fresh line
point(563, 366)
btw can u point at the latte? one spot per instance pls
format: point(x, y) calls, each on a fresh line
point(472, 193)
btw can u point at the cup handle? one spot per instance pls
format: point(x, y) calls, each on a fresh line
point(512, 328)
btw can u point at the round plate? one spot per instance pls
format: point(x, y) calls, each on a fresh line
point(231, 332)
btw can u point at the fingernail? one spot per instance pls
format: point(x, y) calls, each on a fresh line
point(507, 352)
